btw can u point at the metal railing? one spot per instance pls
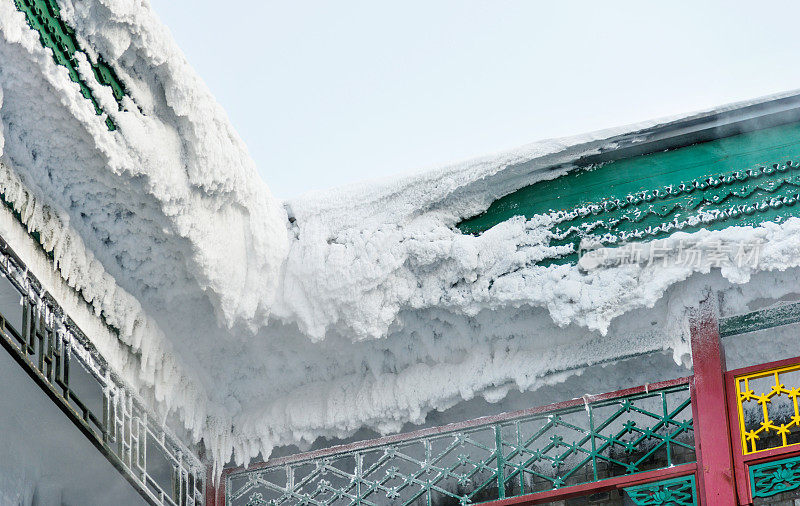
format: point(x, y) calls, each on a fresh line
point(541, 449)
point(49, 346)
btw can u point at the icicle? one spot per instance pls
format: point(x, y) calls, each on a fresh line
point(586, 398)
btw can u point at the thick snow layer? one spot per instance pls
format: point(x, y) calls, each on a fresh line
point(262, 323)
point(173, 182)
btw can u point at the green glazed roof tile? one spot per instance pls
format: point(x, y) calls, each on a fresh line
point(741, 180)
point(44, 16)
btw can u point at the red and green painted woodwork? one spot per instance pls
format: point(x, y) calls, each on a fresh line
point(773, 478)
point(746, 179)
point(44, 16)
point(674, 492)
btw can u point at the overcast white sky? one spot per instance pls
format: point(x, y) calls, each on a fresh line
point(330, 92)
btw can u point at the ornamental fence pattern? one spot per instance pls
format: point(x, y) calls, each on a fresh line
point(767, 408)
point(512, 456)
point(60, 358)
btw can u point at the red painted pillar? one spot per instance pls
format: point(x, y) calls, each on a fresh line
point(709, 407)
point(215, 495)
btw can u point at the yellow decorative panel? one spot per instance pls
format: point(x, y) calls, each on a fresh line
point(767, 408)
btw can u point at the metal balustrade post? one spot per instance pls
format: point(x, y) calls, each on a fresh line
point(359, 476)
point(501, 481)
point(709, 406)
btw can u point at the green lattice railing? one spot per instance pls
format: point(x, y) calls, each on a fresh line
point(773, 478)
point(742, 180)
point(504, 458)
point(44, 16)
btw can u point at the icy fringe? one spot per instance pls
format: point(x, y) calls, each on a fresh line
point(494, 371)
point(174, 152)
point(181, 178)
point(228, 203)
point(133, 344)
point(369, 311)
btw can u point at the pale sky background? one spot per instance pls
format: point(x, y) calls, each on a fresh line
point(330, 92)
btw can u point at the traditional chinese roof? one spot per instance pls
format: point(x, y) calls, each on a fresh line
point(713, 179)
point(266, 323)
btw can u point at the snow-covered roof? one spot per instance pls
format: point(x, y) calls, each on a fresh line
point(263, 322)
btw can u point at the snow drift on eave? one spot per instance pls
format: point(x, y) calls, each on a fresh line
point(176, 181)
point(170, 214)
point(368, 310)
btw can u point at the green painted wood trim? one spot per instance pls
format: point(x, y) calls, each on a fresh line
point(760, 320)
point(44, 16)
point(658, 171)
point(674, 492)
point(741, 180)
point(776, 477)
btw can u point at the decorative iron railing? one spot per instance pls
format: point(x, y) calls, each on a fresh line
point(61, 359)
point(541, 449)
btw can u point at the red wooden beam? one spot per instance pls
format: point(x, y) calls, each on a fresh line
point(770, 455)
point(709, 408)
point(778, 364)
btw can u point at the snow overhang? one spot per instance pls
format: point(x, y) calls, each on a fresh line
point(371, 308)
